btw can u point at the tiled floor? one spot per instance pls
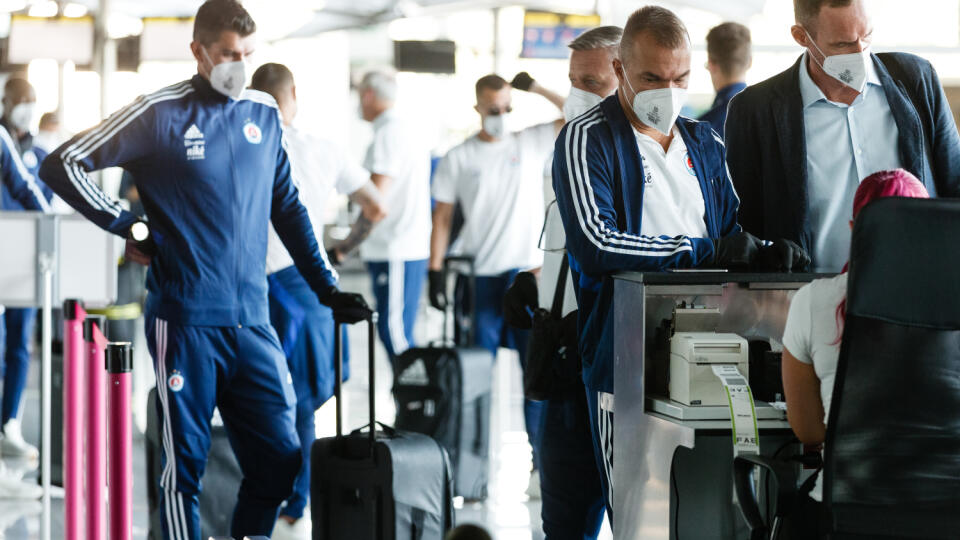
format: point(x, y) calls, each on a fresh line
point(507, 513)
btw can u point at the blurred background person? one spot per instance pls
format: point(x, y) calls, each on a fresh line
point(496, 176)
point(729, 56)
point(306, 327)
point(570, 485)
point(49, 134)
point(20, 159)
point(396, 250)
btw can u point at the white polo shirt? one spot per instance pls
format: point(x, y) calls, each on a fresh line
point(500, 187)
point(396, 151)
point(673, 203)
point(319, 167)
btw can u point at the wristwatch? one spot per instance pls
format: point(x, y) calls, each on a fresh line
point(138, 232)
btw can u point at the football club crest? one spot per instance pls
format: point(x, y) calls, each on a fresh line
point(175, 381)
point(252, 132)
point(688, 161)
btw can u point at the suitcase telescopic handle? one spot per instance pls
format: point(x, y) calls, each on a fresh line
point(470, 263)
point(338, 375)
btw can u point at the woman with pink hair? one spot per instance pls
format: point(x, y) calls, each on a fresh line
point(811, 340)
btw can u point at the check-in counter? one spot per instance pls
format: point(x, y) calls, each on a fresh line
point(673, 474)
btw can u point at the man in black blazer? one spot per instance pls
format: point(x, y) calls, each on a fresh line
point(799, 143)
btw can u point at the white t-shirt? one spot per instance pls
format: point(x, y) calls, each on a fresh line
point(500, 186)
point(404, 235)
point(318, 166)
point(811, 336)
point(673, 203)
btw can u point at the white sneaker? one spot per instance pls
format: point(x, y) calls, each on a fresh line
point(12, 444)
point(12, 486)
point(533, 487)
point(300, 530)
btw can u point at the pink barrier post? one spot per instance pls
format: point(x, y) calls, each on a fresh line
point(119, 360)
point(96, 465)
point(73, 360)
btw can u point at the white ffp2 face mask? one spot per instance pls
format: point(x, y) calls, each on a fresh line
point(228, 78)
point(21, 115)
point(578, 102)
point(850, 69)
point(658, 108)
point(495, 125)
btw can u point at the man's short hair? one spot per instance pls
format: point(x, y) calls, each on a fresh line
point(490, 82)
point(49, 119)
point(16, 85)
point(601, 37)
point(728, 47)
point(806, 11)
point(217, 16)
point(666, 28)
point(382, 82)
point(273, 79)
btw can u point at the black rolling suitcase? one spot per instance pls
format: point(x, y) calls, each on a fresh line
point(444, 392)
point(382, 484)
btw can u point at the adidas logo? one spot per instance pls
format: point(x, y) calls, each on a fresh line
point(415, 374)
point(193, 133)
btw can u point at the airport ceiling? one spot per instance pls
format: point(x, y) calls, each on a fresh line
point(341, 14)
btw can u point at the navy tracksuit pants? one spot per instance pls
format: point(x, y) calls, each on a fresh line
point(241, 371)
point(570, 484)
point(16, 331)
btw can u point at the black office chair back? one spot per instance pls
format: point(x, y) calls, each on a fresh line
point(892, 450)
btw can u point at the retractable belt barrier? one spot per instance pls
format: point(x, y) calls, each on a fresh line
point(96, 379)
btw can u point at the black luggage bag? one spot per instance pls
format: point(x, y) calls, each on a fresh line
point(444, 392)
point(382, 484)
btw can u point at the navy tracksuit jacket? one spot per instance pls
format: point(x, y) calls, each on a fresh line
point(211, 172)
point(598, 179)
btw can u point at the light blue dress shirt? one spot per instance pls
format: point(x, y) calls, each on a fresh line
point(845, 144)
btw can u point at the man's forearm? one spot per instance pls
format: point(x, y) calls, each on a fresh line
point(358, 233)
point(551, 96)
point(440, 237)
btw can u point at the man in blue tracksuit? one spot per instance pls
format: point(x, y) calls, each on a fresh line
point(19, 102)
point(639, 188)
point(211, 169)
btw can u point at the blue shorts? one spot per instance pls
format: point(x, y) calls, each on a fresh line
point(305, 328)
point(397, 286)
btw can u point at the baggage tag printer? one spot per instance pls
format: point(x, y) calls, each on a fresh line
point(695, 348)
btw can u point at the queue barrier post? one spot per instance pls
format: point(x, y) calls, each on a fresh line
point(96, 436)
point(73, 405)
point(119, 364)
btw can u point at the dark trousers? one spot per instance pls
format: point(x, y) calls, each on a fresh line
point(17, 326)
point(570, 486)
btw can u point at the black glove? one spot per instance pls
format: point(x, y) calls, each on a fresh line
point(438, 289)
point(521, 301)
point(782, 256)
point(736, 252)
point(334, 257)
point(348, 308)
point(522, 81)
